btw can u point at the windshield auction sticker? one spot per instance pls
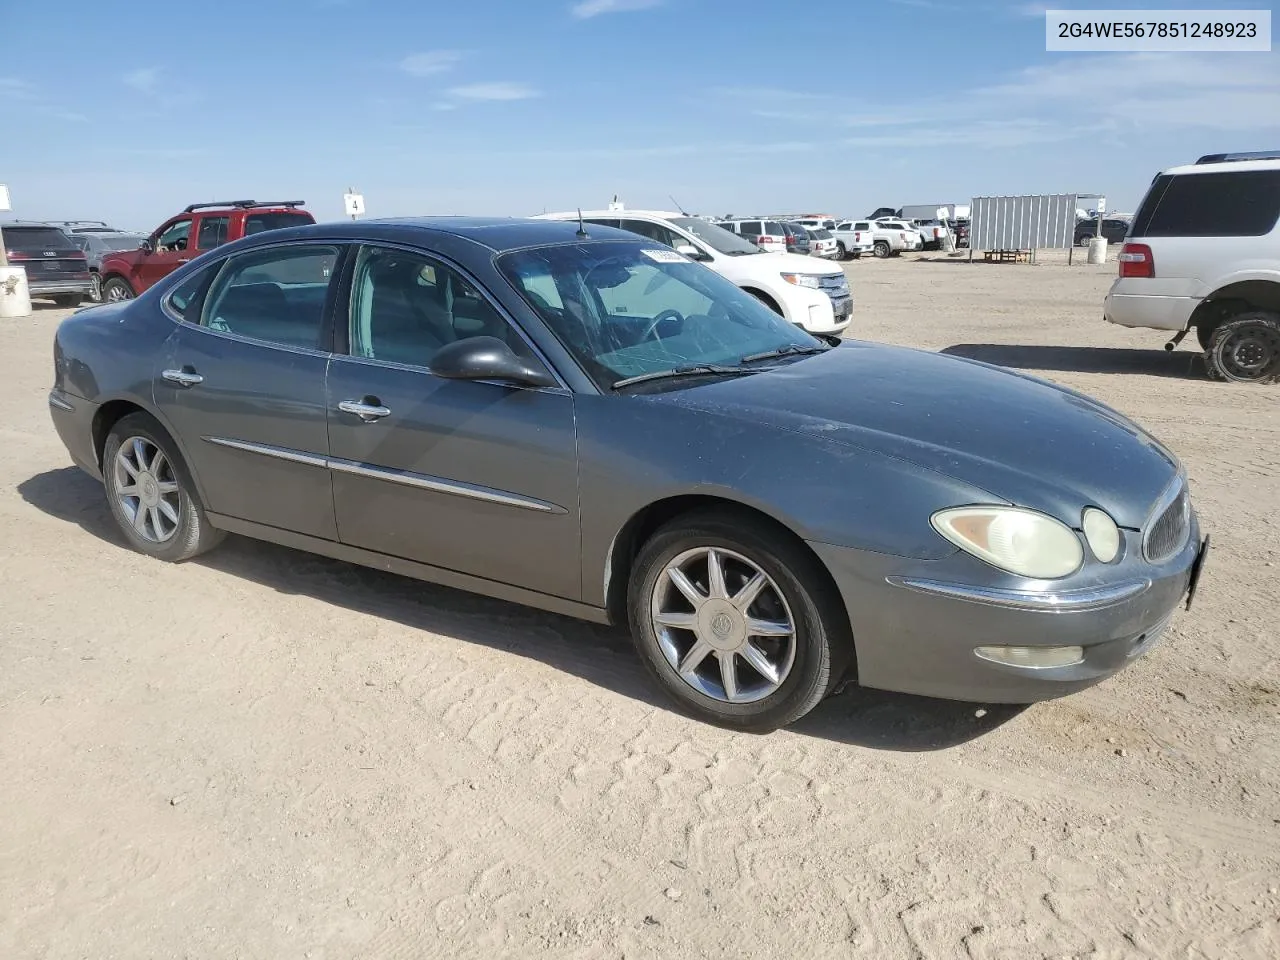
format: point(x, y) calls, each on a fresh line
point(1185, 31)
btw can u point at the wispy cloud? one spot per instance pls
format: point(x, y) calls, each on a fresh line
point(1060, 101)
point(430, 62)
point(144, 79)
point(500, 90)
point(586, 9)
point(12, 88)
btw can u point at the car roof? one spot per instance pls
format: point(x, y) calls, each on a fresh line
point(655, 214)
point(1231, 166)
point(498, 234)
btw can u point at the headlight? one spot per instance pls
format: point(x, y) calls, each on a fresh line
point(810, 280)
point(1102, 533)
point(1020, 541)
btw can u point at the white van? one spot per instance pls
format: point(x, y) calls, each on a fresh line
point(808, 292)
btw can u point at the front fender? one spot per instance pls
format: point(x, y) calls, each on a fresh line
point(637, 451)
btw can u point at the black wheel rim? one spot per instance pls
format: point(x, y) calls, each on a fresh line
point(1250, 352)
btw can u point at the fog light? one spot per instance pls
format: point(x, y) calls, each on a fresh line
point(1037, 658)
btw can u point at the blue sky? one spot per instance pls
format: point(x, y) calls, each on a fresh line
point(516, 106)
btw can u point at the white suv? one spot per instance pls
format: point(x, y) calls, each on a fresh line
point(811, 294)
point(1203, 253)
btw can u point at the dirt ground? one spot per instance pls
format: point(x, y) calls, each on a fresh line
point(263, 754)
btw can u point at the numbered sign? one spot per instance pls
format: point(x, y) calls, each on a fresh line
point(354, 203)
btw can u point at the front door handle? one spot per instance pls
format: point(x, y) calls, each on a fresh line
point(185, 377)
point(368, 412)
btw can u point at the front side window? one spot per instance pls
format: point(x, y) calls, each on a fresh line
point(276, 295)
point(175, 237)
point(626, 309)
point(654, 231)
point(213, 232)
point(405, 306)
point(722, 239)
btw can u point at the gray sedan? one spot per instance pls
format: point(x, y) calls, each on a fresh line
point(585, 421)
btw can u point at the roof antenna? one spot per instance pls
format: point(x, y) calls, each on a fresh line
point(682, 210)
point(582, 229)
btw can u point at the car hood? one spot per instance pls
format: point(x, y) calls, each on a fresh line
point(1022, 440)
point(776, 263)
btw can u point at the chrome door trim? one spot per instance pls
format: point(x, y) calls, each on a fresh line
point(440, 485)
point(268, 450)
point(367, 412)
point(406, 478)
point(56, 401)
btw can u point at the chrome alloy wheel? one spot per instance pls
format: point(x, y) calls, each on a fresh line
point(723, 625)
point(146, 489)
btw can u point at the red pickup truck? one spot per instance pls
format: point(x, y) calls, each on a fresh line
point(196, 230)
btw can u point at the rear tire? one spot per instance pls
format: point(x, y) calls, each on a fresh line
point(151, 493)
point(117, 289)
point(882, 249)
point(781, 676)
point(1245, 349)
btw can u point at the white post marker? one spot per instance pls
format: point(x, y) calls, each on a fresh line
point(4, 207)
point(353, 203)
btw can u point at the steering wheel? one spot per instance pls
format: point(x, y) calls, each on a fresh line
point(650, 330)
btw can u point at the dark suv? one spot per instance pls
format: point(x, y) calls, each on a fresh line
point(1113, 229)
point(198, 229)
point(56, 268)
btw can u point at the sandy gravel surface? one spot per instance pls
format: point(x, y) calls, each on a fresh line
point(263, 754)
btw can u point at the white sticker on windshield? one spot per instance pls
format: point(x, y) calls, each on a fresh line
point(665, 256)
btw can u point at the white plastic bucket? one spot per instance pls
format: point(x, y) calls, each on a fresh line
point(1098, 250)
point(15, 297)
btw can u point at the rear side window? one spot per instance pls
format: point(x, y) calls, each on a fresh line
point(258, 222)
point(1245, 204)
point(750, 227)
point(276, 295)
point(213, 232)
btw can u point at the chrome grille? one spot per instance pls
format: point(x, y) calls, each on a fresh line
point(834, 285)
point(1168, 533)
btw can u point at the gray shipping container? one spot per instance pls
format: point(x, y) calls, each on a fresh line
point(1045, 222)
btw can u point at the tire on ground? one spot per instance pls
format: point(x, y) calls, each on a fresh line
point(1245, 348)
point(193, 535)
point(823, 644)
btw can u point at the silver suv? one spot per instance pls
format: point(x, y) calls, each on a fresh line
point(1203, 254)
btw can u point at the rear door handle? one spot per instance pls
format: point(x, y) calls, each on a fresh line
point(368, 412)
point(183, 378)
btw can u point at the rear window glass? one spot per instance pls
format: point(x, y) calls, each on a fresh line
point(258, 222)
point(774, 230)
point(1245, 204)
point(822, 234)
point(36, 238)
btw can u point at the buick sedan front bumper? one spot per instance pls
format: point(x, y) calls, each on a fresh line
point(919, 626)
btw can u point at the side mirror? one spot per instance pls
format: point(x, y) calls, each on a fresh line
point(147, 246)
point(486, 358)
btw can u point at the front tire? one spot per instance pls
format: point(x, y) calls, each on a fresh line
point(151, 494)
point(117, 289)
point(882, 250)
point(841, 252)
point(1245, 349)
point(735, 622)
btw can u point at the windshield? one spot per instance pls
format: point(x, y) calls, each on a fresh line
point(625, 309)
point(716, 237)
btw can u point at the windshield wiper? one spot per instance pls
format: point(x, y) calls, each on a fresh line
point(692, 370)
point(790, 350)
